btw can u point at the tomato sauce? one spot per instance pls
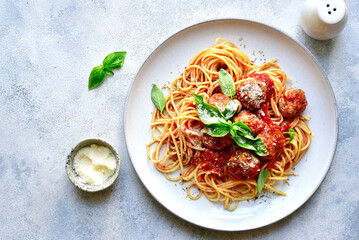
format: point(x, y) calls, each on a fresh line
point(212, 160)
point(285, 125)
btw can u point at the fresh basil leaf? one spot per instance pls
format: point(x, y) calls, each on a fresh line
point(243, 141)
point(262, 177)
point(261, 149)
point(114, 60)
point(206, 112)
point(291, 134)
point(226, 83)
point(158, 98)
point(217, 129)
point(108, 71)
point(97, 76)
point(242, 127)
point(224, 123)
point(231, 108)
point(229, 122)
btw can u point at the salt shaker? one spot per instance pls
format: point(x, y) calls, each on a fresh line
point(323, 19)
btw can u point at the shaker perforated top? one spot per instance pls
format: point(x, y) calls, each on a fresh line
point(331, 11)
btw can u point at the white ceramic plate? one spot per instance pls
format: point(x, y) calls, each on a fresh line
point(166, 63)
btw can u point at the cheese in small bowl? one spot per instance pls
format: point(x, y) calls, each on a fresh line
point(93, 165)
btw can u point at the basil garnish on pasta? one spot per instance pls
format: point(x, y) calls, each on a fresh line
point(291, 134)
point(158, 98)
point(244, 129)
point(243, 141)
point(206, 112)
point(218, 125)
point(262, 177)
point(217, 129)
point(226, 83)
point(231, 109)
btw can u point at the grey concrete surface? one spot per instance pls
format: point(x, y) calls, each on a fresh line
point(47, 50)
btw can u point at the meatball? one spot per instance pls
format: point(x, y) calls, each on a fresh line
point(219, 100)
point(273, 140)
point(216, 143)
point(244, 163)
point(292, 102)
point(251, 120)
point(193, 133)
point(252, 93)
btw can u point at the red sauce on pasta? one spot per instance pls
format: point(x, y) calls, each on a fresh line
point(212, 160)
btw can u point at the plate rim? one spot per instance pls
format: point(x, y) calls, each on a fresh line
point(332, 154)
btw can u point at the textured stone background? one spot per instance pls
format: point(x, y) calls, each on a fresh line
point(47, 50)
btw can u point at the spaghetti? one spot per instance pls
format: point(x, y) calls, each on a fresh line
point(178, 145)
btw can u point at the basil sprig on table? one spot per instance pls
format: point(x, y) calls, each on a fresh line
point(158, 98)
point(291, 134)
point(262, 177)
point(219, 125)
point(112, 61)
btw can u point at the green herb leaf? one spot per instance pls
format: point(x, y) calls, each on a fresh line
point(226, 83)
point(217, 129)
point(262, 177)
point(291, 134)
point(206, 112)
point(261, 149)
point(219, 126)
point(244, 129)
point(158, 98)
point(114, 60)
point(241, 139)
point(97, 76)
point(231, 109)
point(108, 71)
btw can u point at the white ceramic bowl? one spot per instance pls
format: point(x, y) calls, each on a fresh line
point(77, 180)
